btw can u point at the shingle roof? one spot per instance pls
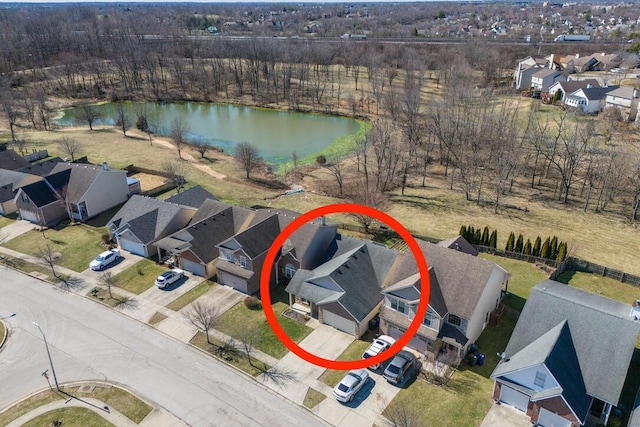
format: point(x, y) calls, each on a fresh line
point(597, 324)
point(11, 160)
point(544, 72)
point(12, 178)
point(208, 208)
point(459, 243)
point(350, 280)
point(147, 217)
point(40, 193)
point(570, 86)
point(6, 193)
point(626, 92)
point(593, 93)
point(41, 168)
point(461, 277)
point(81, 176)
point(409, 289)
point(193, 197)
point(555, 349)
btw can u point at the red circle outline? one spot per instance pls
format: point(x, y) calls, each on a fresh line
point(330, 209)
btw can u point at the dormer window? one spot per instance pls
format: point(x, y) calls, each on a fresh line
point(243, 261)
point(398, 305)
point(454, 320)
point(25, 198)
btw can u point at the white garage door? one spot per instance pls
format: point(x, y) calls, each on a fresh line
point(133, 247)
point(549, 419)
point(514, 398)
point(235, 282)
point(194, 267)
point(414, 343)
point(338, 322)
point(30, 216)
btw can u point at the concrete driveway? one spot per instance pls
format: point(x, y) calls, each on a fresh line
point(15, 229)
point(505, 416)
point(329, 343)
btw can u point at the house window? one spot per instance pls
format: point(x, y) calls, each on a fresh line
point(428, 319)
point(540, 379)
point(289, 271)
point(454, 320)
point(25, 198)
point(398, 305)
point(243, 261)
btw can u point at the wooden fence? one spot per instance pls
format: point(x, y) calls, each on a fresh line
point(37, 155)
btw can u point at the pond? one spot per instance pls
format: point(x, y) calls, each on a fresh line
point(276, 134)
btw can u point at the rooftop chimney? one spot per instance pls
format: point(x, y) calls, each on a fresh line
point(589, 86)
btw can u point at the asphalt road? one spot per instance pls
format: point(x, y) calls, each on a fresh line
point(91, 342)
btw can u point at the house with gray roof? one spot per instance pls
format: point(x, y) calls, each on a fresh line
point(90, 189)
point(569, 86)
point(42, 202)
point(10, 182)
point(345, 290)
point(194, 197)
point(10, 160)
point(568, 356)
point(625, 99)
point(142, 221)
point(42, 168)
point(194, 247)
point(241, 258)
point(544, 78)
point(459, 243)
point(464, 291)
point(589, 100)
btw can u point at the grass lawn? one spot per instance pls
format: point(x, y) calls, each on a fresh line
point(524, 276)
point(332, 377)
point(312, 398)
point(6, 220)
point(192, 295)
point(466, 398)
point(235, 358)
point(156, 318)
point(139, 277)
point(77, 244)
point(72, 416)
point(123, 401)
point(600, 285)
point(239, 319)
point(103, 296)
point(28, 267)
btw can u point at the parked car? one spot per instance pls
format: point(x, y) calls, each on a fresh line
point(350, 385)
point(169, 277)
point(104, 259)
point(399, 366)
point(378, 345)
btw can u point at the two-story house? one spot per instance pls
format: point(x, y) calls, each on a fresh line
point(589, 100)
point(241, 258)
point(625, 99)
point(544, 78)
point(567, 359)
point(464, 291)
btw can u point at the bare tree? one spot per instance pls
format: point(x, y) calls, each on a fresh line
point(69, 146)
point(177, 134)
point(20, 143)
point(335, 166)
point(107, 280)
point(11, 111)
point(175, 172)
point(400, 413)
point(50, 258)
point(201, 147)
point(123, 121)
point(368, 195)
point(280, 376)
point(89, 114)
point(203, 317)
point(248, 157)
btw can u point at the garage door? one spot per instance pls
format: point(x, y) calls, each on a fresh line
point(133, 247)
point(30, 216)
point(194, 267)
point(338, 322)
point(235, 282)
point(514, 398)
point(415, 342)
point(549, 419)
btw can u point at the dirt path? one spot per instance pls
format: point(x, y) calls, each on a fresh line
point(186, 156)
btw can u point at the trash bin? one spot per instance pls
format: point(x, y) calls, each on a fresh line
point(472, 359)
point(374, 323)
point(473, 348)
point(480, 359)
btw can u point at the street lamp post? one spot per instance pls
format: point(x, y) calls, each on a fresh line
point(53, 371)
point(7, 317)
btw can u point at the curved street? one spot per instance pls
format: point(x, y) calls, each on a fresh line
point(91, 342)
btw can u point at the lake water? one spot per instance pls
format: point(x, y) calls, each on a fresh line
point(276, 134)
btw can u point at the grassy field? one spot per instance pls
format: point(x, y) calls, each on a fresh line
point(239, 319)
point(235, 358)
point(524, 276)
point(72, 417)
point(77, 244)
point(604, 286)
point(312, 398)
point(192, 295)
point(126, 403)
point(139, 277)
